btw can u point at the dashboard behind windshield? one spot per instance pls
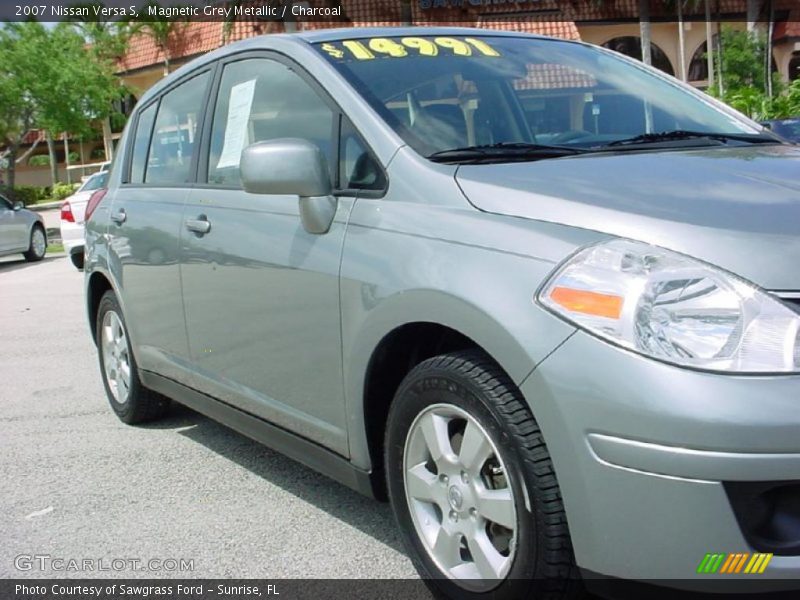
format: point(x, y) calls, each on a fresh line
point(445, 92)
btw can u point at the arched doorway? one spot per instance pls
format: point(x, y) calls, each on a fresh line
point(631, 45)
point(794, 66)
point(698, 67)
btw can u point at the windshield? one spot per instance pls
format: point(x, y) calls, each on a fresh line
point(95, 182)
point(444, 93)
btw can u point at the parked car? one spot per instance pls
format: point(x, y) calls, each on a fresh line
point(786, 128)
point(72, 216)
point(21, 231)
point(544, 298)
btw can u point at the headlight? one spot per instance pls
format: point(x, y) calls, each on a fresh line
point(673, 308)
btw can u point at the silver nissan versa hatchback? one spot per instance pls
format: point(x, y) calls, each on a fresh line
point(542, 297)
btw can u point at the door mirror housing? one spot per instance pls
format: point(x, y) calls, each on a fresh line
point(17, 206)
point(294, 167)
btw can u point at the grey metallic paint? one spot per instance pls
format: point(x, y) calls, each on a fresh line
point(282, 324)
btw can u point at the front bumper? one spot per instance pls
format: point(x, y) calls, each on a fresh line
point(644, 452)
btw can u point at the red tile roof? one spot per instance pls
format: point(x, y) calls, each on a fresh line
point(551, 17)
point(790, 28)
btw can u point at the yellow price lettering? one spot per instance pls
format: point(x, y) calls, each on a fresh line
point(482, 47)
point(333, 50)
point(425, 47)
point(358, 50)
point(457, 46)
point(387, 46)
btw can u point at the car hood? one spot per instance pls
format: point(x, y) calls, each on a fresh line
point(738, 208)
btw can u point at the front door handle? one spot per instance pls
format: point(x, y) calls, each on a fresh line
point(119, 217)
point(201, 225)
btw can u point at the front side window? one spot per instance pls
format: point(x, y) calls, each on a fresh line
point(261, 99)
point(174, 137)
point(443, 93)
point(358, 168)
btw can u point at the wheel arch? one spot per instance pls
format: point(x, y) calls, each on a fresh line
point(388, 346)
point(98, 283)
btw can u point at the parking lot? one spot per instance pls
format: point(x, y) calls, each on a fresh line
point(81, 485)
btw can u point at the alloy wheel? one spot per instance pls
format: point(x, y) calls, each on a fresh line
point(459, 497)
point(116, 360)
point(38, 242)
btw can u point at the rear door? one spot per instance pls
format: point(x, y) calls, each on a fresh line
point(261, 294)
point(145, 224)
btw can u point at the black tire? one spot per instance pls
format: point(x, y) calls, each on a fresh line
point(141, 404)
point(543, 565)
point(31, 254)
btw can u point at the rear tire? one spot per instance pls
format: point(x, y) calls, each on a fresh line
point(131, 401)
point(37, 246)
point(494, 464)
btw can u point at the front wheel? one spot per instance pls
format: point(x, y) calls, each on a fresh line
point(37, 245)
point(130, 400)
point(472, 485)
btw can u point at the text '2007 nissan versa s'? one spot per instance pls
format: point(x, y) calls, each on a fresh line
point(541, 296)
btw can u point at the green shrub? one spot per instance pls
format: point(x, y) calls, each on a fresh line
point(27, 194)
point(39, 160)
point(62, 190)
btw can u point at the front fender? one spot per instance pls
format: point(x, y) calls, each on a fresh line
point(485, 295)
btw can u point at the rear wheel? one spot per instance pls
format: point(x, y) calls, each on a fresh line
point(130, 400)
point(472, 485)
point(37, 246)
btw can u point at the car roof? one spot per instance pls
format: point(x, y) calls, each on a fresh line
point(331, 35)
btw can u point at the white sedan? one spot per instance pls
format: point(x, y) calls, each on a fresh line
point(72, 216)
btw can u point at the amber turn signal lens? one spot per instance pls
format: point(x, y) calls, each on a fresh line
point(586, 302)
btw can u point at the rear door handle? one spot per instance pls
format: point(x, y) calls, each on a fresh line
point(201, 225)
point(119, 217)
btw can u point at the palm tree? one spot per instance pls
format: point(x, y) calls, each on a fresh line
point(644, 31)
point(160, 30)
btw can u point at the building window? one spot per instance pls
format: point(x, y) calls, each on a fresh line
point(632, 46)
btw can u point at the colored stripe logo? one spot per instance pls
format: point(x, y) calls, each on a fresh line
point(734, 563)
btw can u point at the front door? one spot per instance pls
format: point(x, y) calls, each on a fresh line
point(261, 294)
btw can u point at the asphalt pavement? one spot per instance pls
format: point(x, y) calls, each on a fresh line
point(79, 484)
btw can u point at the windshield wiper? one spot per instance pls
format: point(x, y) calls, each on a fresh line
point(682, 134)
point(504, 151)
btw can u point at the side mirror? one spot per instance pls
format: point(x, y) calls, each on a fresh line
point(17, 206)
point(294, 167)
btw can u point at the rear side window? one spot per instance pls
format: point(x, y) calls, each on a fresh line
point(261, 99)
point(141, 143)
point(175, 139)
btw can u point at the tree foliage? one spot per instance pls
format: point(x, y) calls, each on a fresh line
point(742, 62)
point(52, 80)
point(161, 29)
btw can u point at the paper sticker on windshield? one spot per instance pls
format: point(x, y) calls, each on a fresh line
point(369, 49)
